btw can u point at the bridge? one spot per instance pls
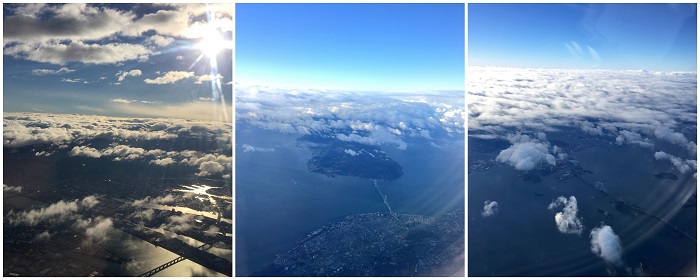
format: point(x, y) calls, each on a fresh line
point(386, 201)
point(636, 208)
point(166, 265)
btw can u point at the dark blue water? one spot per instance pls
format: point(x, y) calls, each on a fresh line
point(279, 202)
point(522, 239)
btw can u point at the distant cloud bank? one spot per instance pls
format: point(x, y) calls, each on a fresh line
point(627, 107)
point(372, 118)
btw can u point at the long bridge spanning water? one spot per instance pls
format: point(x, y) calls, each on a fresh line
point(634, 207)
point(386, 201)
point(166, 265)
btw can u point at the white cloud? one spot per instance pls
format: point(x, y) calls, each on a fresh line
point(249, 148)
point(622, 107)
point(526, 156)
point(179, 223)
point(67, 22)
point(42, 72)
point(123, 74)
point(208, 168)
point(78, 80)
point(6, 188)
point(124, 152)
point(84, 152)
point(160, 40)
point(566, 221)
point(145, 215)
point(163, 161)
point(44, 236)
point(630, 137)
point(606, 244)
point(490, 208)
point(206, 78)
point(89, 201)
point(74, 135)
point(376, 118)
point(684, 166)
point(667, 134)
point(610, 100)
point(58, 212)
point(351, 152)
point(95, 230)
point(170, 77)
point(76, 51)
point(40, 30)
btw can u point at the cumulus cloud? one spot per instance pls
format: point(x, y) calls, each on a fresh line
point(123, 74)
point(526, 156)
point(163, 161)
point(566, 221)
point(684, 166)
point(7, 188)
point(351, 152)
point(209, 168)
point(179, 223)
point(591, 128)
point(42, 72)
point(667, 134)
point(89, 201)
point(95, 230)
point(490, 208)
point(169, 198)
point(170, 77)
point(164, 200)
point(84, 152)
point(145, 215)
point(630, 137)
point(59, 53)
point(44, 236)
point(161, 40)
point(606, 244)
point(55, 213)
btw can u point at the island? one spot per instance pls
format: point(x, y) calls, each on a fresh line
point(333, 157)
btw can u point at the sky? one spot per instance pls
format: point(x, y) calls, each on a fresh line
point(655, 37)
point(147, 60)
point(351, 46)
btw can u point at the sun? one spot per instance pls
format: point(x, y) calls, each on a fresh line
point(212, 43)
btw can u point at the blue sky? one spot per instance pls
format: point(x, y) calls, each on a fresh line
point(351, 46)
point(118, 60)
point(660, 37)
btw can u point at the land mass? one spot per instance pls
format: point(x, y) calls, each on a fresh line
point(333, 157)
point(378, 244)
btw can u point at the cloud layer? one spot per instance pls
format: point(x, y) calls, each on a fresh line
point(59, 34)
point(627, 107)
point(74, 133)
point(373, 118)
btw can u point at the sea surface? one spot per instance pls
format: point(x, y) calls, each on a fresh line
point(522, 238)
point(279, 202)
